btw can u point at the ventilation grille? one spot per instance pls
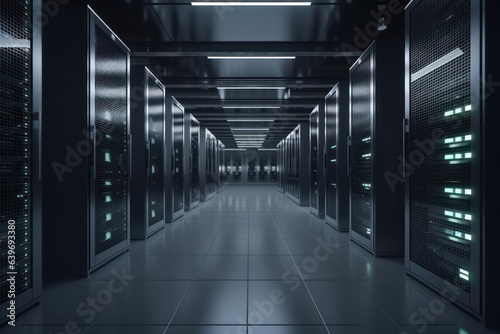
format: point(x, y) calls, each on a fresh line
point(440, 188)
point(16, 142)
point(331, 156)
point(156, 186)
point(314, 159)
point(361, 182)
point(111, 143)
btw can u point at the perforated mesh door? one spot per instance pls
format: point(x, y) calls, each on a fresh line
point(440, 188)
point(178, 133)
point(111, 146)
point(156, 181)
point(16, 142)
point(361, 181)
point(194, 171)
point(314, 127)
point(331, 156)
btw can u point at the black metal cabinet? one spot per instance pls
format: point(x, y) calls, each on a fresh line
point(147, 126)
point(191, 162)
point(20, 120)
point(174, 187)
point(298, 179)
point(86, 141)
point(452, 153)
point(336, 164)
point(317, 171)
point(208, 154)
point(220, 166)
point(376, 116)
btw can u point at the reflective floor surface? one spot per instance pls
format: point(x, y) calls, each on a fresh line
point(247, 261)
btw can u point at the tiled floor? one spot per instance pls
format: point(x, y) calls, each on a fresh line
point(248, 261)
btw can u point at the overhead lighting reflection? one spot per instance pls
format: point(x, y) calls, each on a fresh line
point(250, 120)
point(206, 3)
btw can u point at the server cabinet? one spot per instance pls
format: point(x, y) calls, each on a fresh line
point(273, 159)
point(264, 167)
point(20, 119)
point(298, 189)
point(316, 160)
point(281, 165)
point(452, 151)
point(86, 141)
point(191, 162)
point(220, 166)
point(336, 163)
point(147, 126)
point(174, 187)
point(208, 152)
point(376, 114)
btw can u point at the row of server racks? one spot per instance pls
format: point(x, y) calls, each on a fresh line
point(405, 149)
point(113, 148)
point(203, 158)
point(250, 167)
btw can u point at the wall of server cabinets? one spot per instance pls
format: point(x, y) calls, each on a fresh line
point(20, 106)
point(280, 156)
point(451, 232)
point(147, 174)
point(336, 162)
point(208, 164)
point(86, 143)
point(250, 166)
point(296, 178)
point(376, 113)
point(174, 187)
point(316, 160)
point(191, 162)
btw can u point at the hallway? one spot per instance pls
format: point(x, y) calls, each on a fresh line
point(230, 267)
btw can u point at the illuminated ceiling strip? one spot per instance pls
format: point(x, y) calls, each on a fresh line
point(251, 88)
point(227, 3)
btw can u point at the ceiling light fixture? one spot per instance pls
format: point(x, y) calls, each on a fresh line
point(250, 107)
point(209, 3)
point(250, 120)
point(252, 57)
point(268, 149)
point(252, 87)
point(234, 149)
point(250, 129)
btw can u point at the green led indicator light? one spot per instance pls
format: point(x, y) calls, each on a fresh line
point(108, 198)
point(153, 213)
point(468, 237)
point(107, 157)
point(108, 216)
point(468, 108)
point(449, 213)
point(108, 235)
point(448, 190)
point(448, 157)
point(107, 183)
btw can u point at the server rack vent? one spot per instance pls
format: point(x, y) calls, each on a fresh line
point(440, 188)
point(111, 143)
point(361, 125)
point(16, 140)
point(156, 147)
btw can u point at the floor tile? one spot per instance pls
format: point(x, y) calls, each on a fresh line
point(224, 267)
point(270, 266)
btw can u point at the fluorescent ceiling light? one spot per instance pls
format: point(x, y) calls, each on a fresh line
point(268, 149)
point(250, 120)
point(251, 57)
point(251, 87)
point(250, 129)
point(234, 149)
point(250, 107)
point(225, 3)
point(437, 64)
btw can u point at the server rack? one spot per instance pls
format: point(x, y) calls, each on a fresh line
point(281, 165)
point(264, 167)
point(376, 114)
point(147, 126)
point(220, 165)
point(208, 153)
point(273, 158)
point(298, 188)
point(174, 187)
point(234, 167)
point(86, 141)
point(316, 160)
point(451, 155)
point(191, 162)
point(20, 119)
point(336, 162)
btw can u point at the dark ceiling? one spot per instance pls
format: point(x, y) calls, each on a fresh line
point(174, 38)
